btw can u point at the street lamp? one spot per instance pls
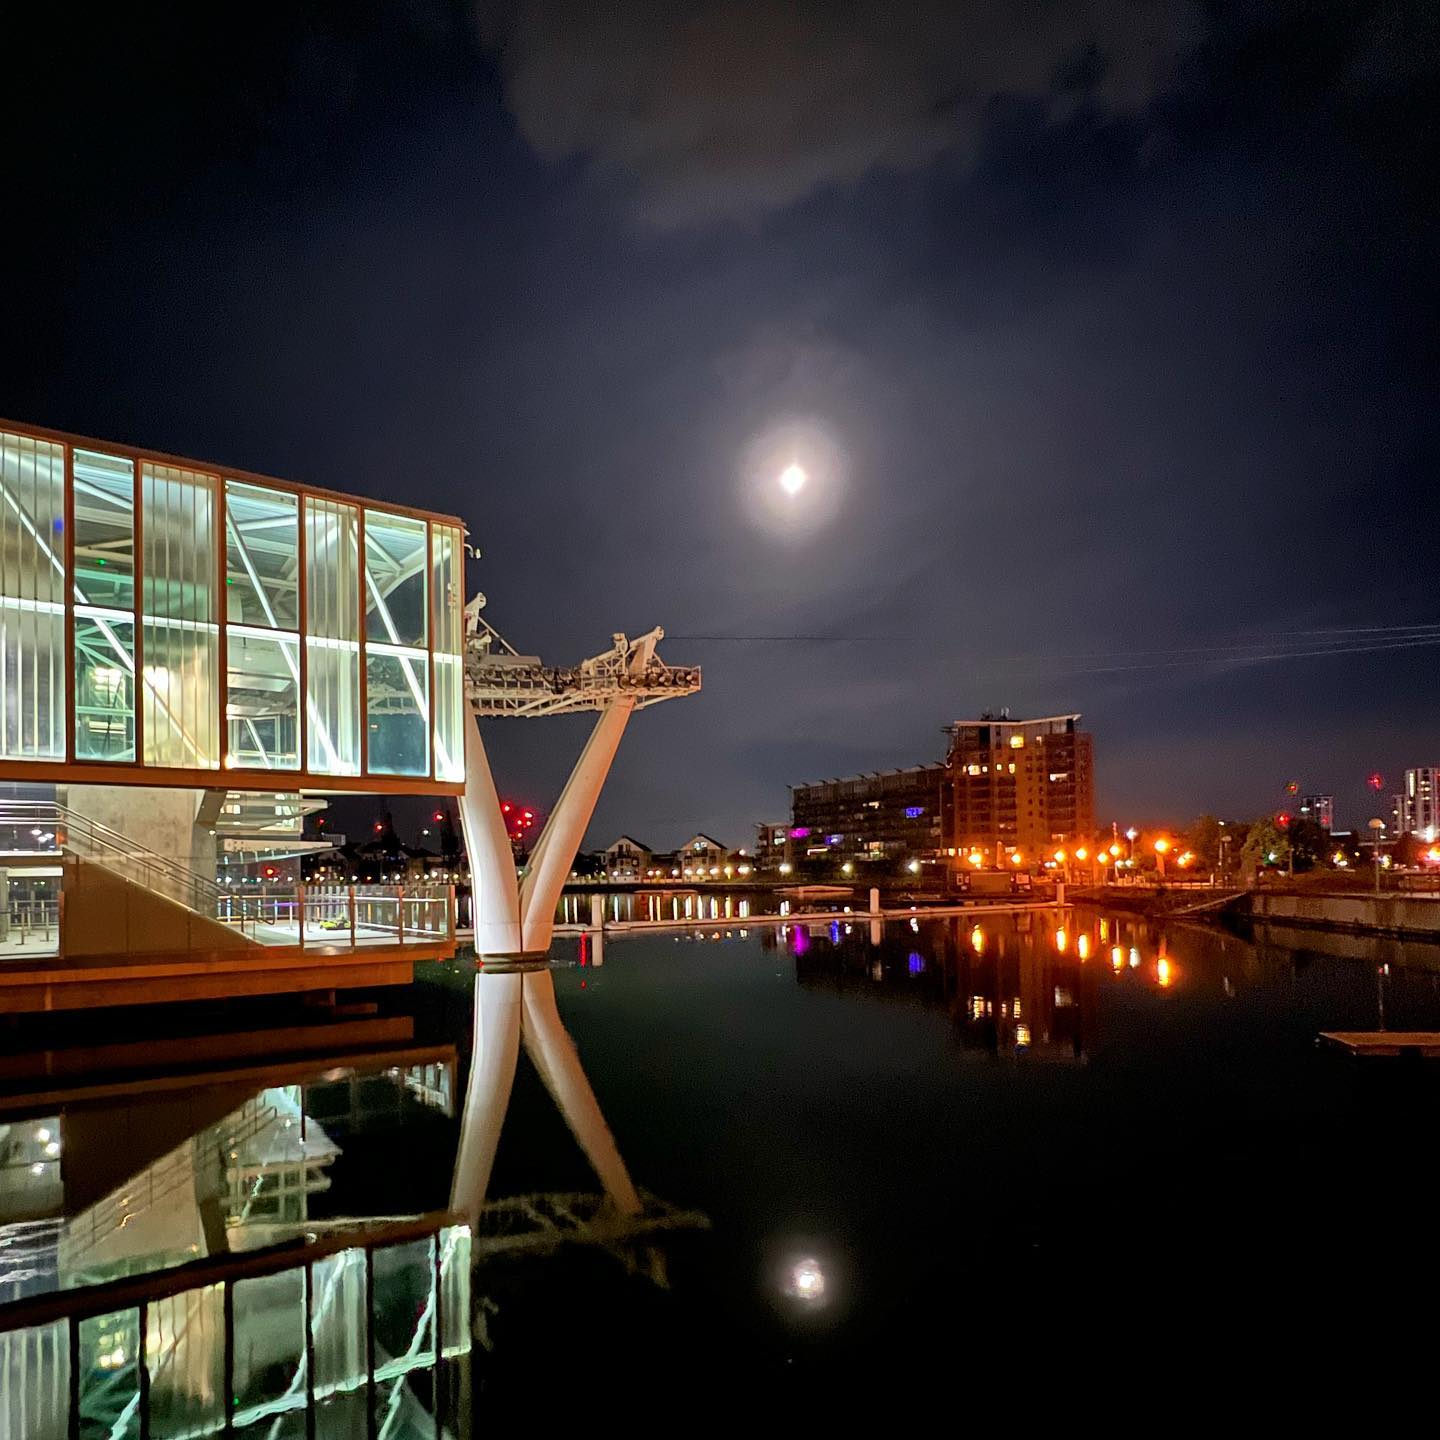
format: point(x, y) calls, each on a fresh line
point(1376, 829)
point(1161, 846)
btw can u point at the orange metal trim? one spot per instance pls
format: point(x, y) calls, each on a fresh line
point(252, 477)
point(68, 700)
point(97, 772)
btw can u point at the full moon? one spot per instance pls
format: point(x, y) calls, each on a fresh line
point(793, 478)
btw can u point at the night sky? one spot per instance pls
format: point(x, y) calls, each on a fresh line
point(1107, 331)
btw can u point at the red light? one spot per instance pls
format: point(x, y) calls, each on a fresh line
point(1292, 787)
point(439, 815)
point(1283, 820)
point(505, 807)
point(1376, 781)
point(529, 814)
point(378, 827)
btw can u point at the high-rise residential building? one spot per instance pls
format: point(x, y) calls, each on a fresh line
point(1419, 812)
point(886, 815)
point(1018, 784)
point(1320, 809)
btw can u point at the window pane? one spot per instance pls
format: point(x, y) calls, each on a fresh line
point(32, 599)
point(332, 569)
point(269, 1361)
point(332, 618)
point(104, 685)
point(395, 603)
point(104, 530)
point(333, 706)
point(41, 1408)
point(404, 1321)
point(262, 699)
point(447, 563)
point(110, 1376)
point(339, 1326)
point(447, 580)
point(396, 686)
point(185, 1355)
point(450, 718)
point(262, 556)
point(179, 635)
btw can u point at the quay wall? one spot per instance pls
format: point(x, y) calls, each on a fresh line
point(1414, 915)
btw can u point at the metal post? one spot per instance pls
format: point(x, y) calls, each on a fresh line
point(142, 1364)
point(300, 902)
point(400, 913)
point(351, 891)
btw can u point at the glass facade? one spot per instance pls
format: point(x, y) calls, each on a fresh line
point(32, 564)
point(262, 635)
point(332, 635)
point(179, 629)
point(397, 663)
point(168, 617)
point(104, 559)
point(447, 579)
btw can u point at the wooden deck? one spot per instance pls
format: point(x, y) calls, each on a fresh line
point(1384, 1043)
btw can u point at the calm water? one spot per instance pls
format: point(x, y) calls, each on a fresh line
point(987, 1166)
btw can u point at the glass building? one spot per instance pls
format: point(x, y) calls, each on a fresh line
point(162, 620)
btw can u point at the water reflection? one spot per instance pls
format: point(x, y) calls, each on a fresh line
point(148, 1233)
point(662, 907)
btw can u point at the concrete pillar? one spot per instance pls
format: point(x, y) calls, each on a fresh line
point(494, 897)
point(874, 900)
point(172, 823)
point(597, 912)
point(487, 1096)
point(549, 1045)
point(554, 853)
point(1059, 892)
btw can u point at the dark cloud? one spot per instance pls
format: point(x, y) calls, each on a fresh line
point(729, 109)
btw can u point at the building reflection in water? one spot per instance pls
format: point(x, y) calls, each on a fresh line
point(658, 907)
point(1025, 985)
point(167, 1268)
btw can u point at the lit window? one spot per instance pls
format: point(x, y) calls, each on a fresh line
point(1017, 742)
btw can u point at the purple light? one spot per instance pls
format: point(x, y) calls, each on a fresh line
point(799, 832)
point(801, 940)
point(914, 812)
point(917, 963)
point(833, 839)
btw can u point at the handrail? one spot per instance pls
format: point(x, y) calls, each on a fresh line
point(109, 846)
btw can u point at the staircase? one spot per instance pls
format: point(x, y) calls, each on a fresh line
point(119, 896)
point(47, 823)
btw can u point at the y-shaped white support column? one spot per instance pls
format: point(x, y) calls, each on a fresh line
point(514, 926)
point(554, 854)
point(511, 1005)
point(549, 1045)
point(487, 1097)
point(494, 896)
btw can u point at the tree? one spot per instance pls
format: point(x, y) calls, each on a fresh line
point(1309, 843)
point(1266, 844)
point(1203, 838)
